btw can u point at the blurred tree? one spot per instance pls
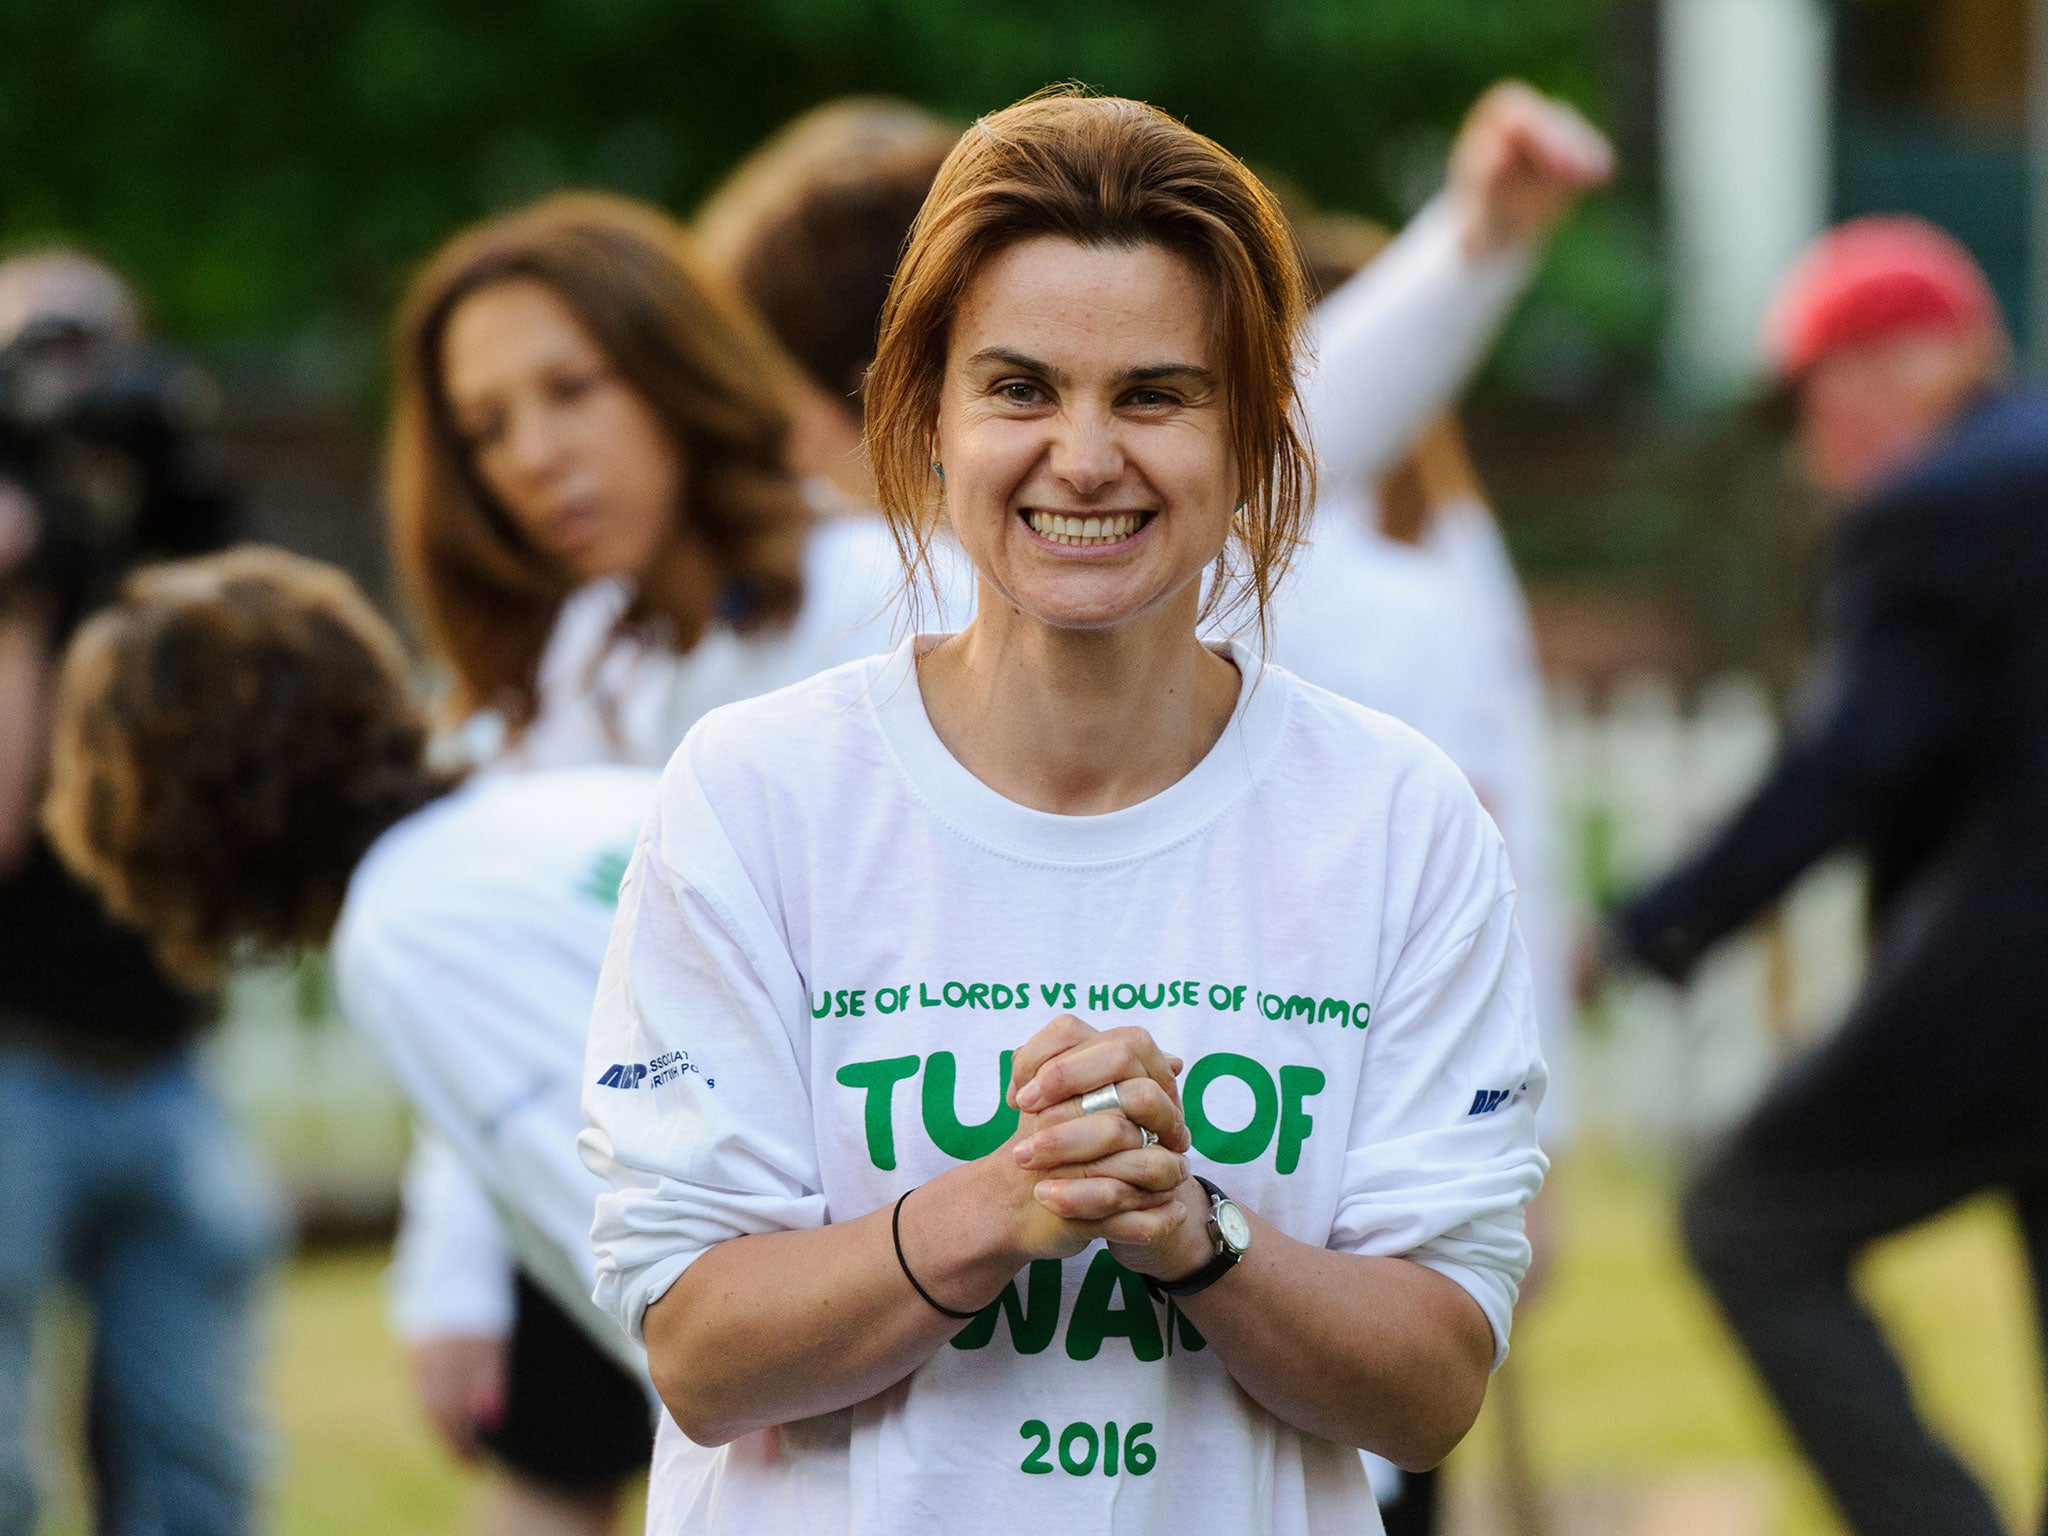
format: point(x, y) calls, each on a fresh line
point(270, 172)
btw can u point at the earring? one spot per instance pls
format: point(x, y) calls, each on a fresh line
point(939, 470)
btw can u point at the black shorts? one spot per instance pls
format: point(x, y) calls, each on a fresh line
point(575, 1422)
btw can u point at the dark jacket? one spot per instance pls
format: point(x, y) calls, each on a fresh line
point(1927, 742)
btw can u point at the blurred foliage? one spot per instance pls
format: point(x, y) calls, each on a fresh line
point(268, 173)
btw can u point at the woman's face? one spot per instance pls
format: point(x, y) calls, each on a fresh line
point(576, 457)
point(1083, 432)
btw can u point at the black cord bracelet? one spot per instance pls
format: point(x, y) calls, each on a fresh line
point(896, 1231)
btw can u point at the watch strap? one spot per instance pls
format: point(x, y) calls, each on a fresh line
point(1221, 1265)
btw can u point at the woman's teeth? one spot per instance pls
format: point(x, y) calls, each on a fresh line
point(1085, 530)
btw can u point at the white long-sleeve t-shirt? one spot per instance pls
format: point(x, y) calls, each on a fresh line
point(467, 953)
point(833, 935)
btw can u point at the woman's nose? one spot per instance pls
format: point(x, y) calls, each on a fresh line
point(1086, 453)
point(535, 441)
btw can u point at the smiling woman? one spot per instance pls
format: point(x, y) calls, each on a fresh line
point(1088, 369)
point(1188, 277)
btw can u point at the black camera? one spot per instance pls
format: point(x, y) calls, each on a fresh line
point(101, 449)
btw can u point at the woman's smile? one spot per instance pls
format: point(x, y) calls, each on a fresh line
point(1090, 532)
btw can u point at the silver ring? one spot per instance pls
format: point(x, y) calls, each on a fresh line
point(1146, 1139)
point(1097, 1100)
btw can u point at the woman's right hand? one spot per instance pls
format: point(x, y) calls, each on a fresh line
point(1064, 1178)
point(460, 1379)
point(1082, 1176)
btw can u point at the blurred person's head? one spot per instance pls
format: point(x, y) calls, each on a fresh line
point(1884, 330)
point(1088, 358)
point(1437, 471)
point(232, 734)
point(809, 228)
point(578, 397)
point(60, 283)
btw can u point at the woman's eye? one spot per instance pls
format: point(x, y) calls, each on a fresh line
point(1152, 399)
point(1020, 392)
point(569, 387)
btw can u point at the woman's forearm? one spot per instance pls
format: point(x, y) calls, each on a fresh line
point(1399, 341)
point(1379, 1353)
point(786, 1325)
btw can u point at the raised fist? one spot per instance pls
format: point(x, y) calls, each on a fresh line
point(1521, 160)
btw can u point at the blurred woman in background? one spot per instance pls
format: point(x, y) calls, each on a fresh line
point(602, 537)
point(808, 228)
point(589, 484)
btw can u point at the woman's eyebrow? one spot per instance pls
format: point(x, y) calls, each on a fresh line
point(1153, 373)
point(1148, 373)
point(1007, 358)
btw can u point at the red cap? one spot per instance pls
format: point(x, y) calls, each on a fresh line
point(1871, 278)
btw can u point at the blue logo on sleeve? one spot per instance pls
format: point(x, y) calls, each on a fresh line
point(1487, 1100)
point(663, 1069)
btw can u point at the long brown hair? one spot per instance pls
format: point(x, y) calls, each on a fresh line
point(1103, 170)
point(676, 334)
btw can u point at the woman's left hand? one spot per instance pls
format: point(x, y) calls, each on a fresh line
point(1082, 1153)
point(1068, 1059)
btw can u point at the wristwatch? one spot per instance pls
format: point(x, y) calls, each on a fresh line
point(1232, 1235)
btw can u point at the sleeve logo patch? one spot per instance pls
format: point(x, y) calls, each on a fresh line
point(1487, 1100)
point(651, 1074)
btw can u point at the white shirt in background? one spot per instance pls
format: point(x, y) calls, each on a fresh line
point(467, 952)
point(1385, 625)
point(833, 933)
point(606, 696)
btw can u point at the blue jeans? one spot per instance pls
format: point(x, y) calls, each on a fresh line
point(134, 1189)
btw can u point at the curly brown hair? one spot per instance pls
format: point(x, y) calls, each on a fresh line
point(232, 734)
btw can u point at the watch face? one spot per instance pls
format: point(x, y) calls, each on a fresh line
point(1235, 1230)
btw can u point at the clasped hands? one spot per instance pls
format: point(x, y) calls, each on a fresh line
point(1069, 1177)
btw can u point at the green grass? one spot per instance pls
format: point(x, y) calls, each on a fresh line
point(355, 1453)
point(1627, 1376)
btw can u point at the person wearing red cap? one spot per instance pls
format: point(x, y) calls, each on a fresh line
point(1925, 744)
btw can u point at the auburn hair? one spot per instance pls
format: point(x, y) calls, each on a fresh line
point(1105, 171)
point(232, 733)
point(810, 225)
point(486, 599)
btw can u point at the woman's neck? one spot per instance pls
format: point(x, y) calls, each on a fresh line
point(683, 584)
point(1078, 722)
